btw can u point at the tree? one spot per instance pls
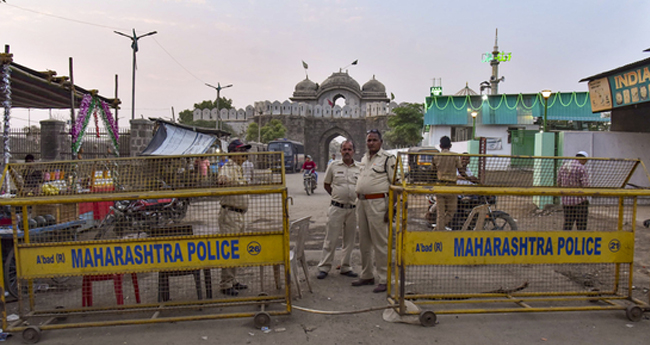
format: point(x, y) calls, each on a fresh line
point(252, 132)
point(405, 126)
point(269, 132)
point(32, 129)
point(334, 147)
point(273, 130)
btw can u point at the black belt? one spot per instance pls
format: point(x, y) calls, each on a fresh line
point(338, 204)
point(234, 209)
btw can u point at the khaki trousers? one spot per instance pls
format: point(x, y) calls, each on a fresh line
point(338, 219)
point(373, 236)
point(446, 205)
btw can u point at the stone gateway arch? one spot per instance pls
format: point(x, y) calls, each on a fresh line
point(313, 114)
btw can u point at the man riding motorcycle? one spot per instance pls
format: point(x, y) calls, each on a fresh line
point(309, 167)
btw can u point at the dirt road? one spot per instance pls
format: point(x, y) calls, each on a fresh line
point(335, 294)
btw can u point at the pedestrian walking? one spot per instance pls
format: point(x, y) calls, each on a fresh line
point(576, 208)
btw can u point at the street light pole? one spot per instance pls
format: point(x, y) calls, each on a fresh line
point(259, 128)
point(474, 125)
point(134, 46)
point(218, 88)
point(546, 94)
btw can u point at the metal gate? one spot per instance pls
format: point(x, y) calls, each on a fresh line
point(143, 240)
point(500, 252)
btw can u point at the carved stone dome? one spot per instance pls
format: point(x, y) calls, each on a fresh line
point(339, 80)
point(373, 85)
point(306, 86)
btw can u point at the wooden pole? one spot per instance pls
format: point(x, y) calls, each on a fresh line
point(72, 94)
point(135, 42)
point(115, 105)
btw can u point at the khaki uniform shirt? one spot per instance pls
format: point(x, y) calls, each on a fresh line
point(376, 173)
point(234, 177)
point(447, 166)
point(343, 179)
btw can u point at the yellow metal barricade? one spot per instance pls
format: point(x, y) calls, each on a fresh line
point(143, 240)
point(509, 246)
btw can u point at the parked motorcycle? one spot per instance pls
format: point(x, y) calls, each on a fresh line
point(474, 212)
point(135, 216)
point(309, 181)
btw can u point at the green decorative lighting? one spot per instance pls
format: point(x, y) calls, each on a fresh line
point(441, 104)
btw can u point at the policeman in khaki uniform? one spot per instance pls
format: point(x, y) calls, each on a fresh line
point(233, 210)
point(448, 167)
point(377, 170)
point(340, 181)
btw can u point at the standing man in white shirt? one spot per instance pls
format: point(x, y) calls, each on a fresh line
point(340, 182)
point(377, 170)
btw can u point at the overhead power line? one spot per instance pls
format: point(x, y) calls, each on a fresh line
point(107, 27)
point(64, 18)
point(183, 67)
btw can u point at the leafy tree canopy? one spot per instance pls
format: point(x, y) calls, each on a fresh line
point(406, 126)
point(271, 131)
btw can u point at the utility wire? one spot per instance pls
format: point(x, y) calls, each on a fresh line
point(170, 55)
point(112, 28)
point(64, 18)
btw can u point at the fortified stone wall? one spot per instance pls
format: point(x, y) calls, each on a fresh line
point(295, 109)
point(316, 133)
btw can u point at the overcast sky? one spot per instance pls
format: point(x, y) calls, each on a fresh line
point(258, 45)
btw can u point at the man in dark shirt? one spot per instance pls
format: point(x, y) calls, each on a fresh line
point(33, 178)
point(448, 167)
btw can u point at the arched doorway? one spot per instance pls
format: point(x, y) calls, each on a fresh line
point(340, 100)
point(335, 134)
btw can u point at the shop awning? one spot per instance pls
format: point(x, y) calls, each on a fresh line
point(43, 90)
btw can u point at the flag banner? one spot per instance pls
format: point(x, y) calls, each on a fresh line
point(355, 62)
point(304, 65)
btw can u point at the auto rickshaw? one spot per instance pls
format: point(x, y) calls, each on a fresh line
point(421, 167)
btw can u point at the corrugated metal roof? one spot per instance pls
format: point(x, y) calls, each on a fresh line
point(508, 109)
point(616, 70)
point(43, 90)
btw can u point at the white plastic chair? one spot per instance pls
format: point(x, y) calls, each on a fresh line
point(300, 229)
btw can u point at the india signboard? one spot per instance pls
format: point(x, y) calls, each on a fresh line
point(621, 89)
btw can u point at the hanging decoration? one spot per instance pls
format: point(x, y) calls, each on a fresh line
point(460, 103)
point(96, 123)
point(90, 104)
point(5, 59)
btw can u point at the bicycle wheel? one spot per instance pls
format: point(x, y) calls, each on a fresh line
point(11, 278)
point(500, 221)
